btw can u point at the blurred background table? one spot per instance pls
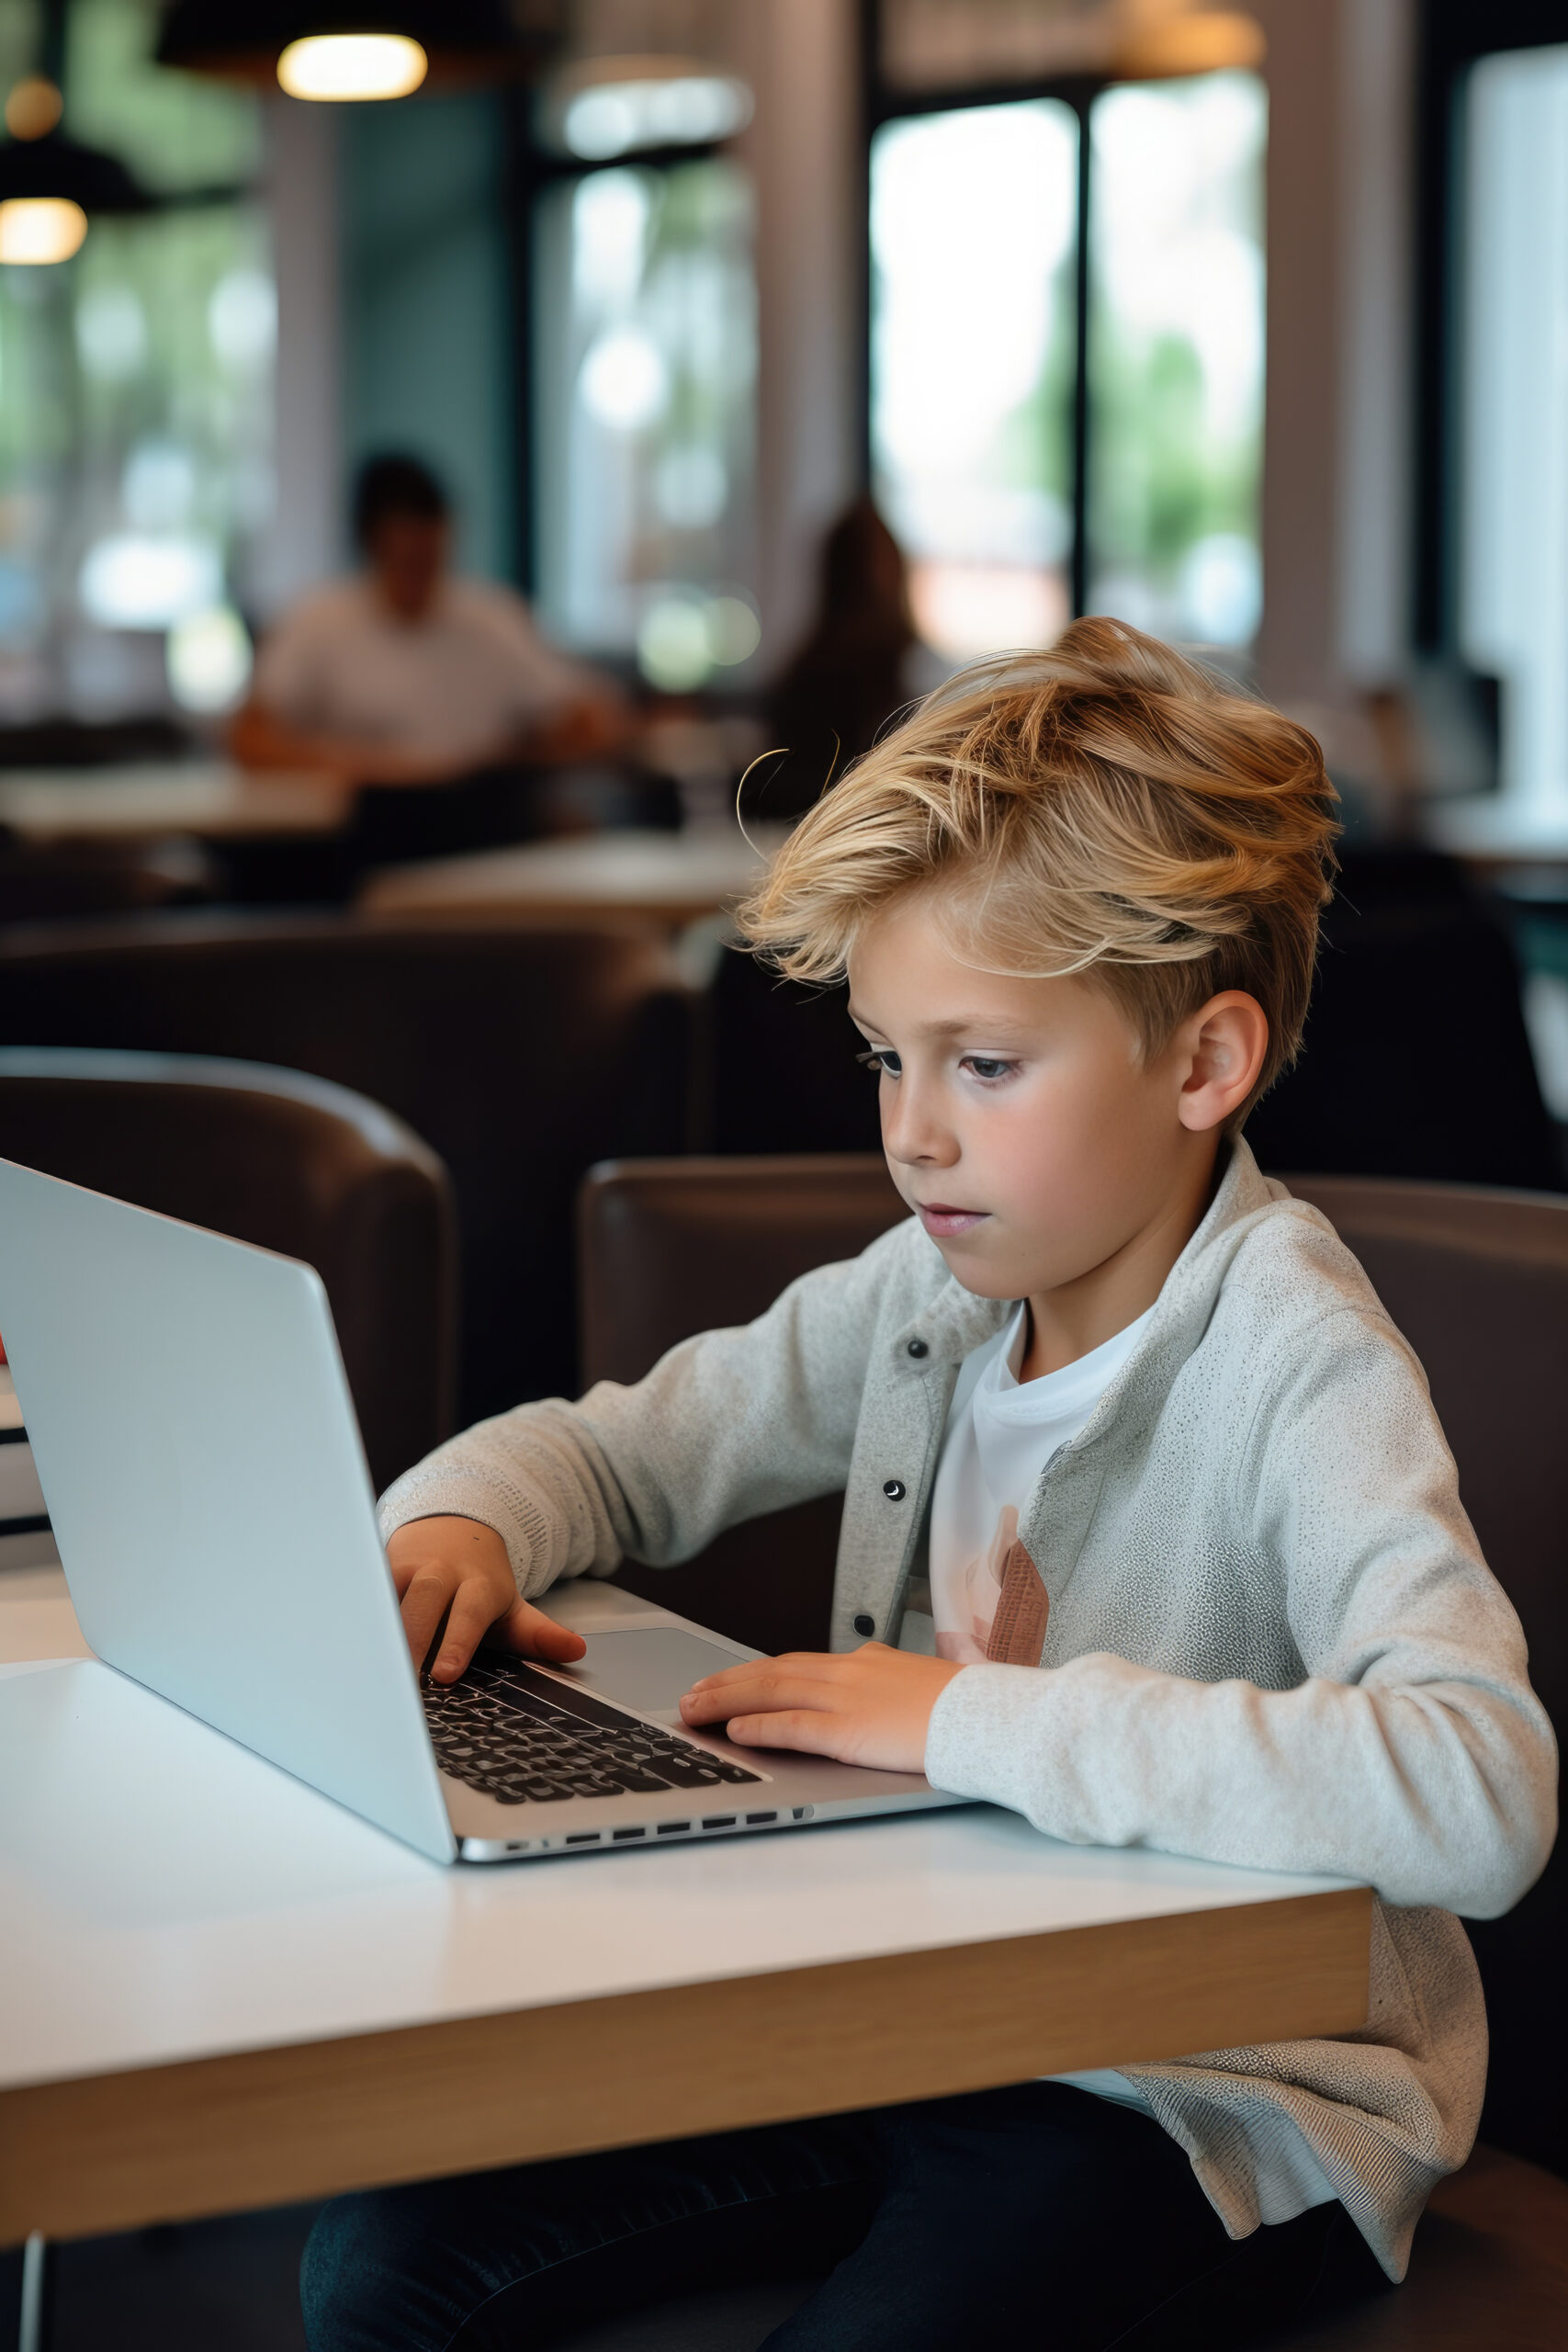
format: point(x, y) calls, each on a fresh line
point(212, 799)
point(675, 877)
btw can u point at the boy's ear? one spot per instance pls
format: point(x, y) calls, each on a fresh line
point(1223, 1047)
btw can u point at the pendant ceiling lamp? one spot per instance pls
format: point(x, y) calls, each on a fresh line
point(337, 66)
point(50, 187)
point(359, 49)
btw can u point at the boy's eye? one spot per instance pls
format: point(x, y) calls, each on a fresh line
point(986, 1066)
point(881, 1058)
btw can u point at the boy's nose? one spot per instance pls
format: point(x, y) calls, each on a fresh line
point(910, 1134)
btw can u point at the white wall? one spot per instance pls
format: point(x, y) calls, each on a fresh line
point(304, 541)
point(1338, 437)
point(1373, 586)
point(800, 58)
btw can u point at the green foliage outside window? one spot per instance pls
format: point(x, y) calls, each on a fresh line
point(135, 382)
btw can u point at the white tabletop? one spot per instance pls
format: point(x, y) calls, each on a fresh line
point(167, 1895)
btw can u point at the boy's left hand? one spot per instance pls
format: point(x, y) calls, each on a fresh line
point(870, 1706)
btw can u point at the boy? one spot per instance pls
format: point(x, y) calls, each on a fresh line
point(1150, 1534)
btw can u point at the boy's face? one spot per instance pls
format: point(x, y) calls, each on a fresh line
point(1021, 1120)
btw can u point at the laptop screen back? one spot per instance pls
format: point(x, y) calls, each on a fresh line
point(201, 1463)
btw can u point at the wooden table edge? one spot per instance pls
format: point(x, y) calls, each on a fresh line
point(307, 2119)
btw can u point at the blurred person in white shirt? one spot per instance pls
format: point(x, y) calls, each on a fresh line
point(404, 674)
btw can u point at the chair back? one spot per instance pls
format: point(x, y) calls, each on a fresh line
point(285, 1161)
point(1407, 952)
point(781, 1071)
point(671, 1246)
point(521, 1055)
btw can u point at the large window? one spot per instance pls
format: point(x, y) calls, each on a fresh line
point(135, 395)
point(646, 332)
point(1176, 358)
point(1055, 429)
point(974, 339)
point(1513, 538)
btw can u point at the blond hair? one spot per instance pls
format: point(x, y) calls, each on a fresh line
point(1105, 808)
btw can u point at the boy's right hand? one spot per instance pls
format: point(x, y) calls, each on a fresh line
point(460, 1563)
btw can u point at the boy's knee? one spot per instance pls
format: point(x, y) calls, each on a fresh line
point(354, 2287)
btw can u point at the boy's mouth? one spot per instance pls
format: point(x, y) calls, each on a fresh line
point(942, 1220)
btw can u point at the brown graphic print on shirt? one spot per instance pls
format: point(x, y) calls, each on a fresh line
point(1018, 1629)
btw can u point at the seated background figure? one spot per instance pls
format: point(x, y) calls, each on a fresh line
point(860, 661)
point(404, 673)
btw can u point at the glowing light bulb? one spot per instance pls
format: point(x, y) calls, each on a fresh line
point(33, 107)
point(352, 65)
point(39, 228)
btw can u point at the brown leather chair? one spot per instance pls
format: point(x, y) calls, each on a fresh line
point(670, 1247)
point(280, 1160)
point(1410, 949)
point(521, 1055)
point(1478, 1280)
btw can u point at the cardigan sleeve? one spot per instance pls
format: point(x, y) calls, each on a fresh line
point(725, 1426)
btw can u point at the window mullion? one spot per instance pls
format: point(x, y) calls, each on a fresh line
point(1079, 560)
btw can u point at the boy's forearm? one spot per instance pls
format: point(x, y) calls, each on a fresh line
point(1435, 1794)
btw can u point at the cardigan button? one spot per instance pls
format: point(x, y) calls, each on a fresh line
point(863, 1624)
point(895, 1490)
point(918, 1348)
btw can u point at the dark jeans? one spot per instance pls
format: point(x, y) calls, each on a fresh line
point(1035, 2216)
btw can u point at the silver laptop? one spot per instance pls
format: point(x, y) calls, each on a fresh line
point(199, 1456)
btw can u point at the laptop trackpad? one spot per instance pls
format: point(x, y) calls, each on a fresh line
point(648, 1667)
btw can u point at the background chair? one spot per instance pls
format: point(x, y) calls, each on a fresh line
point(784, 1074)
point(521, 1055)
point(1478, 1280)
point(1410, 954)
point(287, 1161)
point(670, 1247)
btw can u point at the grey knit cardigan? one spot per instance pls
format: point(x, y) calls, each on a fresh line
point(1272, 1638)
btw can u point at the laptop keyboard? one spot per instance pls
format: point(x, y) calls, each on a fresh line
point(523, 1738)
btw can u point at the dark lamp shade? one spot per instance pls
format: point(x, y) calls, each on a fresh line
point(57, 166)
point(467, 42)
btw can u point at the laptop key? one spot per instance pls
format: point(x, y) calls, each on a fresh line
point(682, 1775)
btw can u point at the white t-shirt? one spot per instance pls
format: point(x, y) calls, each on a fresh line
point(458, 685)
point(988, 1598)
